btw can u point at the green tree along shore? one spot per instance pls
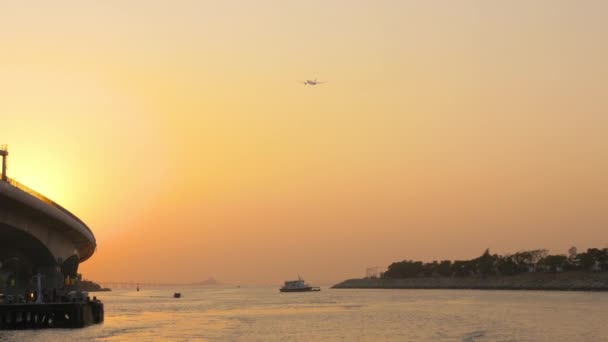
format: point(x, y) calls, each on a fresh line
point(593, 260)
point(533, 270)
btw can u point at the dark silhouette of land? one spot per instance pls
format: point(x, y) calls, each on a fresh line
point(527, 270)
point(91, 286)
point(209, 281)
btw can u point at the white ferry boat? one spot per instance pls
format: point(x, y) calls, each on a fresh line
point(298, 286)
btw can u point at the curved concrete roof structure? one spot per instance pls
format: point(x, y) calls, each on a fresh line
point(59, 222)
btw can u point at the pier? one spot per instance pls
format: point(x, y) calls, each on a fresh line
point(41, 246)
point(50, 315)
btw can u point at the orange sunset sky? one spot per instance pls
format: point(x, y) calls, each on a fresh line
point(178, 131)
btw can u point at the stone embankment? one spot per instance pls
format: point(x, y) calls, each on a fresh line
point(563, 281)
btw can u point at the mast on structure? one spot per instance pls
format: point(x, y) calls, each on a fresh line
point(4, 154)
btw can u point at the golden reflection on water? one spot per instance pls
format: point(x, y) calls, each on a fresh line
point(213, 321)
point(276, 310)
point(262, 314)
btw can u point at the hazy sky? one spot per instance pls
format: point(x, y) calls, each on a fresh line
point(178, 131)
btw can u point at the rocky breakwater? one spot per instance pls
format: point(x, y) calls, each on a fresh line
point(562, 281)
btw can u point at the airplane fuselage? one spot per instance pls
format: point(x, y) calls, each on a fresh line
point(310, 82)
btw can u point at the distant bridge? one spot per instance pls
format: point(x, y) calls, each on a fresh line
point(133, 284)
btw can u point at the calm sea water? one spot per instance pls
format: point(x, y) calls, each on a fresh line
point(264, 314)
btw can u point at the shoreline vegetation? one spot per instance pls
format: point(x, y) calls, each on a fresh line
point(565, 281)
point(527, 270)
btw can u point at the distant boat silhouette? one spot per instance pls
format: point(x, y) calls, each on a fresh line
point(298, 286)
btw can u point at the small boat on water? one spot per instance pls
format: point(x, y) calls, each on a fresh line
point(298, 286)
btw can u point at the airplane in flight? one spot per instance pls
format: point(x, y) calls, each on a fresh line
point(312, 82)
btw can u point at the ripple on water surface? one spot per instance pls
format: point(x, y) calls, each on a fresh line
point(263, 314)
